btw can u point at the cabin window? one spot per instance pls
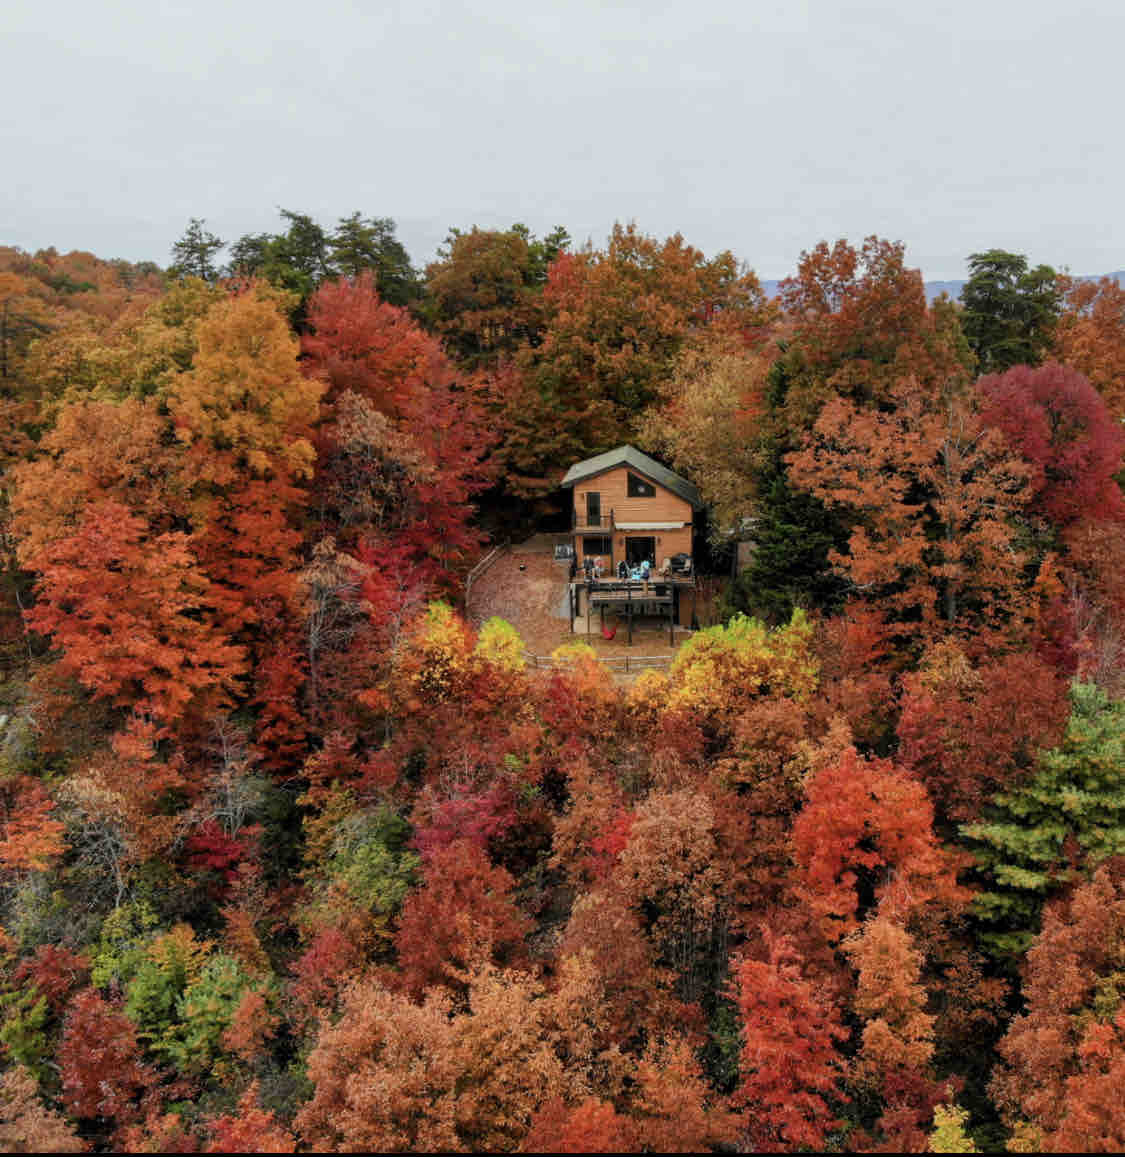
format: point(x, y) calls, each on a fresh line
point(637, 487)
point(597, 544)
point(639, 550)
point(593, 508)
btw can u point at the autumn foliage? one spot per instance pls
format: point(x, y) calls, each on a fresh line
point(865, 841)
point(1066, 434)
point(1059, 1057)
point(792, 1067)
point(300, 850)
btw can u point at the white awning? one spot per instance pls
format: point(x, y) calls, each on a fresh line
point(650, 525)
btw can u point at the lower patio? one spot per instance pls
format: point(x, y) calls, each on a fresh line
point(525, 586)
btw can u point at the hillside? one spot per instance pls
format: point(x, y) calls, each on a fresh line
point(300, 853)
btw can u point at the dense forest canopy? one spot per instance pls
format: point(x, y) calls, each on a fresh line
point(295, 856)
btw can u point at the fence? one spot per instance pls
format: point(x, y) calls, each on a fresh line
point(481, 567)
point(624, 663)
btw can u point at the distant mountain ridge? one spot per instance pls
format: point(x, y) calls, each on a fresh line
point(953, 288)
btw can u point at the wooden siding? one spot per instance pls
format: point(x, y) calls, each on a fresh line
point(664, 506)
point(668, 543)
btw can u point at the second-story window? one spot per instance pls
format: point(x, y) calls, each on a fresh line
point(638, 488)
point(593, 508)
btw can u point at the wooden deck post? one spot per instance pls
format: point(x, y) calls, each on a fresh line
point(629, 598)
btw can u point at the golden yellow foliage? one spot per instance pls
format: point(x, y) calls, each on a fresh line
point(245, 393)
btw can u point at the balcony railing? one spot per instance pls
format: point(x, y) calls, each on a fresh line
point(583, 521)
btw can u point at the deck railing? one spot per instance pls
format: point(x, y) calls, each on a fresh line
point(582, 521)
point(636, 589)
point(624, 663)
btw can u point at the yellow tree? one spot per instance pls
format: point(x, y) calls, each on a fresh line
point(23, 317)
point(132, 354)
point(245, 405)
point(245, 414)
point(708, 425)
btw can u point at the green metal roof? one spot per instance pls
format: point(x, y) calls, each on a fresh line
point(643, 464)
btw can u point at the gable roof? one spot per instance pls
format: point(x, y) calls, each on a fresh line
point(643, 464)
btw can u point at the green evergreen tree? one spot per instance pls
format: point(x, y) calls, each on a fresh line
point(1009, 310)
point(794, 532)
point(23, 1032)
point(306, 254)
point(792, 537)
point(297, 260)
point(248, 255)
point(360, 246)
point(195, 251)
point(1066, 819)
point(204, 1010)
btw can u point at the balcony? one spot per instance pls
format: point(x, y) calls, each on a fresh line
point(581, 521)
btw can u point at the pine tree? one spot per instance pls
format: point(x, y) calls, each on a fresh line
point(194, 252)
point(1069, 816)
point(1010, 310)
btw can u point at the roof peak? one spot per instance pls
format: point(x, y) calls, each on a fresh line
point(627, 455)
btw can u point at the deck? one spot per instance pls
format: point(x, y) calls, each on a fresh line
point(631, 599)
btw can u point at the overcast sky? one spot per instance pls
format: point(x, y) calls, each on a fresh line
point(753, 125)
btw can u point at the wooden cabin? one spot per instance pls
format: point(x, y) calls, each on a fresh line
point(628, 509)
